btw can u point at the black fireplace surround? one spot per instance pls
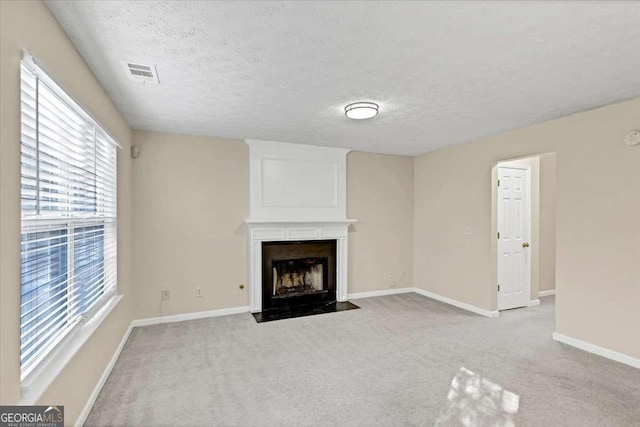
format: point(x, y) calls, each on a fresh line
point(296, 273)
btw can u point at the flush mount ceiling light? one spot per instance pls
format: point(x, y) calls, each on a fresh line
point(361, 110)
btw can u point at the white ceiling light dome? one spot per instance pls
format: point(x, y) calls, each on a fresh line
point(361, 110)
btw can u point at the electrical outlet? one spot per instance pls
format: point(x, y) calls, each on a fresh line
point(392, 285)
point(165, 295)
point(391, 275)
point(199, 293)
point(403, 274)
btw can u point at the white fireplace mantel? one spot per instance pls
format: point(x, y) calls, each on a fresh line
point(297, 192)
point(272, 231)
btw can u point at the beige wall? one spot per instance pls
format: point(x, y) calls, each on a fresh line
point(380, 197)
point(30, 25)
point(597, 271)
point(191, 196)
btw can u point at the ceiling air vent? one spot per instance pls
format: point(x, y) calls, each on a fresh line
point(141, 73)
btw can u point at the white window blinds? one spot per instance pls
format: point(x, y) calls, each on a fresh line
point(68, 195)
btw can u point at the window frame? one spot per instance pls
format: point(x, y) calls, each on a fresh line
point(45, 367)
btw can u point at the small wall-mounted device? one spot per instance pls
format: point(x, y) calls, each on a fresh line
point(632, 138)
point(135, 151)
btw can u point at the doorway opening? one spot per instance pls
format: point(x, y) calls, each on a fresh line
point(523, 222)
point(514, 234)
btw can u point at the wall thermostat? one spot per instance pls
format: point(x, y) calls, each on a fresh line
point(633, 138)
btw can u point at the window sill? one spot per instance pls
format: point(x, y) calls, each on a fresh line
point(40, 380)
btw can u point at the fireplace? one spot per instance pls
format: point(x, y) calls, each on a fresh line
point(298, 273)
point(298, 218)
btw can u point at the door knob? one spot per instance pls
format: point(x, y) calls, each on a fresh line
point(525, 245)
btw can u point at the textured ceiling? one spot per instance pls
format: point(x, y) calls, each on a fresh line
point(442, 72)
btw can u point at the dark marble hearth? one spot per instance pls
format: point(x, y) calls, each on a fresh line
point(302, 310)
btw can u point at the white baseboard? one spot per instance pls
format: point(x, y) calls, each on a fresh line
point(596, 349)
point(546, 293)
point(381, 293)
point(189, 316)
point(456, 303)
point(103, 379)
point(431, 295)
point(534, 302)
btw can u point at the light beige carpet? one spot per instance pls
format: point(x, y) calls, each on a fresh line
point(401, 360)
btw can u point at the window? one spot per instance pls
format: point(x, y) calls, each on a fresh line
point(68, 203)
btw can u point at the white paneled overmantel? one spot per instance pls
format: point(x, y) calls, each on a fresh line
point(297, 182)
point(297, 192)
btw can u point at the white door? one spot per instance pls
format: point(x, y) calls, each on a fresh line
point(514, 225)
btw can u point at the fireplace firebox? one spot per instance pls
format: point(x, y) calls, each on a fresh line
point(298, 273)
